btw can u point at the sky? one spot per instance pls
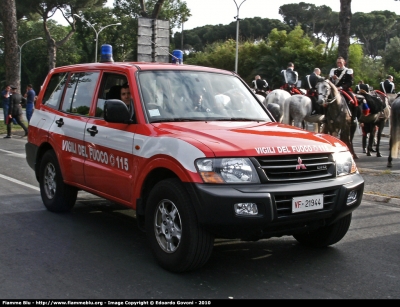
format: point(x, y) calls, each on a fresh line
point(214, 12)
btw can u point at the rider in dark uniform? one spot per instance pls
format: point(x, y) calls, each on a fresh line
point(309, 84)
point(361, 86)
point(342, 77)
point(387, 86)
point(260, 85)
point(312, 80)
point(290, 78)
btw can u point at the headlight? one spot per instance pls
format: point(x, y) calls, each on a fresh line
point(345, 164)
point(227, 170)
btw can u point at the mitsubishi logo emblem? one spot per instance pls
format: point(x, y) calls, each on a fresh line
point(300, 164)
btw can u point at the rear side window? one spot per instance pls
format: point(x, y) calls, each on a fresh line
point(79, 93)
point(54, 90)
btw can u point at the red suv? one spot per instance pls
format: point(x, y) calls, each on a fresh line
point(194, 152)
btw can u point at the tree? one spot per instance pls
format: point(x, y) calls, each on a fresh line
point(172, 10)
point(85, 37)
point(8, 15)
point(310, 17)
point(265, 57)
point(47, 9)
point(253, 29)
point(391, 54)
point(34, 54)
point(330, 30)
point(344, 34)
point(374, 30)
point(156, 9)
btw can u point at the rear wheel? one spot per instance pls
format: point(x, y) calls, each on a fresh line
point(56, 195)
point(327, 235)
point(177, 241)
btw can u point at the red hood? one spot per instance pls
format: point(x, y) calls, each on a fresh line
point(251, 139)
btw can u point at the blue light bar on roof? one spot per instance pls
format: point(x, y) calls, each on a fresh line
point(106, 53)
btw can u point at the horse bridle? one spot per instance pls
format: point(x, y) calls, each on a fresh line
point(325, 96)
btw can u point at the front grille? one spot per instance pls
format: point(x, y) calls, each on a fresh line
point(283, 203)
point(296, 168)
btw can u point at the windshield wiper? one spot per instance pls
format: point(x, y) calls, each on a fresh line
point(178, 119)
point(207, 119)
point(244, 119)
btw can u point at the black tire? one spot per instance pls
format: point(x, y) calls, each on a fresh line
point(176, 240)
point(56, 195)
point(327, 235)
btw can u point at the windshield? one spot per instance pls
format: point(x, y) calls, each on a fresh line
point(197, 96)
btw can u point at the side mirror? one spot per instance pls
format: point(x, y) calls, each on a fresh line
point(116, 111)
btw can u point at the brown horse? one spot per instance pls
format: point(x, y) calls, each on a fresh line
point(339, 117)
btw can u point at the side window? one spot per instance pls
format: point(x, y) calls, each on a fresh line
point(79, 93)
point(110, 89)
point(54, 90)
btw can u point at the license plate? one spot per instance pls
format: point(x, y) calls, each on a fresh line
point(307, 203)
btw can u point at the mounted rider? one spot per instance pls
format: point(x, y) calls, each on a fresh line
point(260, 85)
point(290, 78)
point(387, 86)
point(361, 86)
point(309, 84)
point(342, 77)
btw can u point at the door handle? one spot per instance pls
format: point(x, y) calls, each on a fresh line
point(60, 122)
point(93, 131)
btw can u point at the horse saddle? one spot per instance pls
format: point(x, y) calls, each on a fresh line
point(375, 103)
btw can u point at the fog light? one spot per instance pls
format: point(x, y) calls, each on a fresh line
point(246, 209)
point(351, 198)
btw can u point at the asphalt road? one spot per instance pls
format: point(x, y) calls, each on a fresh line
point(98, 252)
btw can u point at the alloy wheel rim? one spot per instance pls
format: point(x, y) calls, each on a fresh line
point(168, 226)
point(50, 181)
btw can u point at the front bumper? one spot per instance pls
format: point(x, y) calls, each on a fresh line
point(275, 218)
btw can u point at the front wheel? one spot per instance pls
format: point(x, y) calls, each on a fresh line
point(56, 195)
point(177, 241)
point(326, 235)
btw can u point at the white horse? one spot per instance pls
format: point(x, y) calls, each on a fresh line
point(300, 108)
point(272, 107)
point(280, 97)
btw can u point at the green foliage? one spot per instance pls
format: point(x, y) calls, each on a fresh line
point(32, 9)
point(374, 29)
point(33, 54)
point(113, 35)
point(84, 110)
point(265, 57)
point(365, 68)
point(221, 55)
point(391, 54)
point(175, 11)
point(251, 29)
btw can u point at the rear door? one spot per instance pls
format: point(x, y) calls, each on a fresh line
point(67, 130)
